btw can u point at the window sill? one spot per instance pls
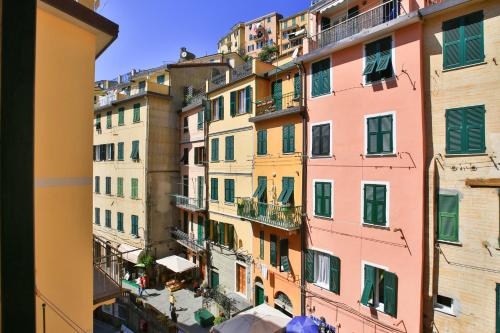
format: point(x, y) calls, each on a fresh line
point(376, 226)
point(135, 198)
point(289, 153)
point(120, 160)
point(449, 242)
point(321, 95)
point(229, 161)
point(368, 84)
point(465, 155)
point(322, 287)
point(379, 308)
point(318, 157)
point(214, 161)
point(214, 201)
point(121, 124)
point(448, 312)
point(326, 218)
point(228, 203)
point(381, 155)
point(465, 66)
point(136, 122)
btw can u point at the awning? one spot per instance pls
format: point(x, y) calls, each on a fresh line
point(130, 253)
point(176, 263)
point(262, 318)
point(332, 4)
point(296, 33)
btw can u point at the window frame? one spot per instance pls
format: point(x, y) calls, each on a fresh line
point(226, 182)
point(449, 310)
point(291, 138)
point(394, 134)
point(393, 60)
point(376, 293)
point(311, 78)
point(327, 254)
point(332, 199)
point(457, 213)
point(387, 203)
point(330, 153)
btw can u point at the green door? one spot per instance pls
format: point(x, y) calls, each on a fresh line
point(200, 229)
point(277, 95)
point(214, 281)
point(201, 184)
point(259, 295)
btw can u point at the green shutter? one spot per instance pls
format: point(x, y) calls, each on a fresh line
point(454, 131)
point(121, 116)
point(384, 59)
point(390, 293)
point(120, 151)
point(473, 38)
point(452, 44)
point(296, 85)
point(371, 57)
point(327, 199)
point(207, 229)
point(285, 136)
point(221, 107)
point(215, 150)
point(289, 138)
point(135, 188)
point(248, 99)
point(119, 221)
point(261, 243)
point(318, 195)
point(321, 77)
point(229, 148)
point(497, 309)
point(374, 211)
point(474, 129)
point(448, 217)
point(222, 236)
point(200, 120)
point(369, 285)
point(109, 123)
point(262, 142)
point(208, 111)
point(335, 274)
point(137, 113)
point(309, 263)
point(272, 250)
point(134, 155)
point(380, 198)
point(284, 260)
point(214, 189)
point(230, 236)
point(119, 183)
point(232, 108)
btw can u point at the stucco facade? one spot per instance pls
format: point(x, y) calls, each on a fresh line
point(292, 30)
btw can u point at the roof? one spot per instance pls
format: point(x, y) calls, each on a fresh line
point(263, 17)
point(280, 69)
point(294, 15)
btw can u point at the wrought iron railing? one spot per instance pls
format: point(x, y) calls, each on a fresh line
point(378, 15)
point(186, 240)
point(241, 71)
point(196, 99)
point(217, 81)
point(283, 217)
point(221, 299)
point(189, 203)
point(277, 103)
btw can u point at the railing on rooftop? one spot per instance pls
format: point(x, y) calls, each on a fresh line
point(371, 18)
point(241, 71)
point(277, 103)
point(283, 217)
point(217, 81)
point(193, 204)
point(189, 242)
point(117, 94)
point(196, 99)
point(107, 270)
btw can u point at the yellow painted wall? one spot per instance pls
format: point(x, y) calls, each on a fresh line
point(63, 169)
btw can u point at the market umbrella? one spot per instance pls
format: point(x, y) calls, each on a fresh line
point(140, 265)
point(302, 324)
point(260, 319)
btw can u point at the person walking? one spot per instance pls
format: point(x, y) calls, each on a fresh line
point(171, 300)
point(142, 285)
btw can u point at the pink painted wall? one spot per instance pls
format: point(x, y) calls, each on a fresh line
point(344, 235)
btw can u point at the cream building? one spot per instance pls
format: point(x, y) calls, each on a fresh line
point(461, 47)
point(234, 41)
point(292, 30)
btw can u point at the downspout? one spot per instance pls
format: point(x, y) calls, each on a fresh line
point(205, 163)
point(146, 173)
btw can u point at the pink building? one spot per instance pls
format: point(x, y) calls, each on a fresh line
point(365, 171)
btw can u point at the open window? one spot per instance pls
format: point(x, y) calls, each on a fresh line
point(380, 290)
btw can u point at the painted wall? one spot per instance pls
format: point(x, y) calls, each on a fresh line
point(63, 171)
point(468, 271)
point(272, 24)
point(344, 235)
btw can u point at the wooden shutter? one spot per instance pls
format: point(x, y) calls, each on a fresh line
point(452, 46)
point(137, 112)
point(261, 243)
point(232, 106)
point(221, 107)
point(291, 134)
point(296, 85)
point(335, 274)
point(200, 120)
point(474, 129)
point(121, 116)
point(272, 250)
point(454, 131)
point(371, 57)
point(222, 235)
point(368, 192)
point(309, 269)
point(215, 189)
point(230, 236)
point(473, 38)
point(497, 308)
point(284, 255)
point(369, 285)
point(230, 148)
point(215, 150)
point(207, 229)
point(285, 138)
point(448, 217)
point(120, 151)
point(315, 69)
point(390, 293)
point(325, 76)
point(318, 202)
point(380, 204)
point(208, 110)
point(372, 135)
point(385, 137)
point(316, 140)
point(325, 140)
point(248, 99)
point(119, 183)
point(327, 199)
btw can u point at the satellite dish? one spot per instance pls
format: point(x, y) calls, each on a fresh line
point(295, 53)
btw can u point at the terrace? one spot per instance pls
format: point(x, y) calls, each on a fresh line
point(278, 216)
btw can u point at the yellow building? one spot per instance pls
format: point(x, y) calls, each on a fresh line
point(234, 41)
point(275, 207)
point(69, 36)
point(293, 29)
point(231, 102)
point(461, 47)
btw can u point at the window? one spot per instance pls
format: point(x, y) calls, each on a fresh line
point(448, 217)
point(294, 21)
point(323, 270)
point(119, 186)
point(119, 221)
point(97, 215)
point(229, 148)
point(108, 185)
point(375, 204)
point(261, 244)
point(380, 289)
point(296, 85)
point(137, 113)
point(465, 130)
point(215, 150)
point(134, 155)
point(323, 198)
point(320, 78)
point(321, 140)
point(444, 304)
point(272, 250)
point(97, 184)
point(160, 79)
point(185, 186)
point(269, 19)
point(120, 151)
point(110, 152)
point(200, 120)
point(109, 122)
point(98, 122)
point(142, 86)
point(378, 60)
point(186, 125)
point(262, 142)
point(218, 108)
point(214, 189)
point(463, 41)
point(107, 218)
point(289, 138)
point(261, 192)
point(240, 101)
point(121, 116)
point(302, 17)
point(229, 190)
point(284, 261)
point(379, 136)
point(287, 187)
point(134, 183)
point(199, 155)
point(185, 156)
point(134, 230)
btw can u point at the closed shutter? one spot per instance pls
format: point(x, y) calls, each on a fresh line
point(452, 43)
point(119, 190)
point(316, 140)
point(497, 308)
point(386, 134)
point(229, 148)
point(137, 113)
point(380, 198)
point(372, 135)
point(390, 293)
point(215, 232)
point(321, 77)
point(215, 150)
point(369, 285)
point(214, 189)
point(120, 151)
point(473, 38)
point(230, 236)
point(222, 235)
point(134, 155)
point(221, 107)
point(134, 186)
point(262, 142)
point(285, 139)
point(261, 244)
point(335, 274)
point(207, 229)
point(272, 250)
point(291, 133)
point(454, 131)
point(97, 215)
point(200, 120)
point(108, 119)
point(448, 217)
point(309, 269)
point(121, 116)
point(208, 110)
point(315, 79)
point(296, 85)
point(327, 199)
point(232, 106)
point(318, 203)
point(248, 99)
point(97, 181)
point(474, 129)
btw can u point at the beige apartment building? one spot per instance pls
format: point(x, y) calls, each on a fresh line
point(292, 31)
point(234, 41)
point(461, 47)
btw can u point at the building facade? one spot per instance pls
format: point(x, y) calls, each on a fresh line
point(365, 166)
point(461, 42)
point(234, 41)
point(292, 30)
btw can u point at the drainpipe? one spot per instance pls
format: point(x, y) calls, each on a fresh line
point(146, 180)
point(302, 73)
point(205, 163)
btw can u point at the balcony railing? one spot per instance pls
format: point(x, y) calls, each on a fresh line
point(241, 71)
point(196, 99)
point(193, 204)
point(113, 96)
point(107, 271)
point(217, 81)
point(378, 15)
point(189, 242)
point(277, 103)
point(283, 217)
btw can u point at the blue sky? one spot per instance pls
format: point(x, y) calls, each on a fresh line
point(153, 31)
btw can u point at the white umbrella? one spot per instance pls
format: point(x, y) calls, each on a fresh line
point(262, 318)
point(176, 264)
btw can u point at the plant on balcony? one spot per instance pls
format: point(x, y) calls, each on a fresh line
point(268, 53)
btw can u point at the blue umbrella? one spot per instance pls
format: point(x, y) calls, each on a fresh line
point(302, 324)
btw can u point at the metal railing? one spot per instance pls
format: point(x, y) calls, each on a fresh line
point(217, 81)
point(118, 94)
point(378, 15)
point(283, 217)
point(185, 239)
point(193, 204)
point(108, 272)
point(196, 99)
point(277, 103)
point(221, 299)
point(241, 71)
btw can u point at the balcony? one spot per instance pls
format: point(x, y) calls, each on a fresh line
point(282, 217)
point(376, 16)
point(107, 271)
point(242, 71)
point(217, 81)
point(191, 204)
point(277, 106)
point(195, 100)
point(114, 96)
point(197, 245)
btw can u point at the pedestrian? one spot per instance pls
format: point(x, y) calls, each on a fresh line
point(171, 300)
point(141, 285)
point(173, 314)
